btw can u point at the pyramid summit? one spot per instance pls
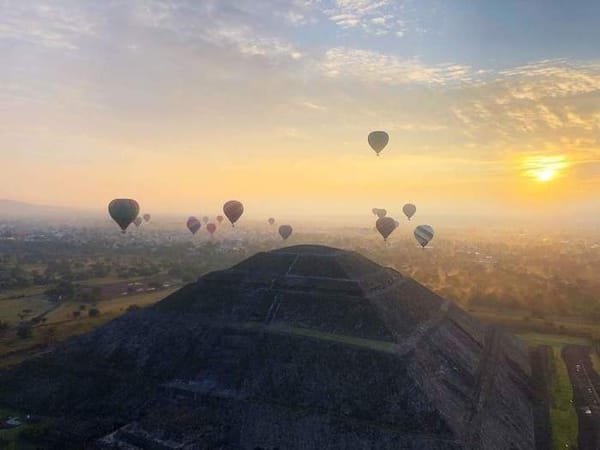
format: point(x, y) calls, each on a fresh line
point(301, 347)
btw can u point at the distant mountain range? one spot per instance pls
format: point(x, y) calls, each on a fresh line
point(14, 208)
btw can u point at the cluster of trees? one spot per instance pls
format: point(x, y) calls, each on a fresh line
point(66, 290)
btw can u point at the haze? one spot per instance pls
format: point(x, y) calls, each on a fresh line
point(493, 108)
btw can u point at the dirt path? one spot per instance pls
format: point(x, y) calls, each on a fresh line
point(586, 394)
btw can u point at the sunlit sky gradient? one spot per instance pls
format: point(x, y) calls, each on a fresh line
point(185, 104)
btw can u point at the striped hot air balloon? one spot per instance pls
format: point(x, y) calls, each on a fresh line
point(423, 234)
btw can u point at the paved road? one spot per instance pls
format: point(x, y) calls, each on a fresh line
point(586, 394)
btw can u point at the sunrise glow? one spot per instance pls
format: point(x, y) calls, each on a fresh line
point(544, 168)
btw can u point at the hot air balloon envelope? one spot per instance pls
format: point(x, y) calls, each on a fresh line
point(385, 226)
point(409, 210)
point(285, 231)
point(147, 217)
point(138, 221)
point(233, 210)
point(271, 220)
point(381, 213)
point(220, 219)
point(123, 211)
point(205, 219)
point(423, 234)
point(378, 140)
point(211, 228)
point(193, 224)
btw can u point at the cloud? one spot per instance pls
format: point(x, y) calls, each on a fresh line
point(52, 26)
point(550, 79)
point(374, 67)
point(378, 18)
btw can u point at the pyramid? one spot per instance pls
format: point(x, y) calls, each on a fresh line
point(297, 348)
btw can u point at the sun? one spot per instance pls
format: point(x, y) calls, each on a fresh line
point(545, 175)
point(544, 168)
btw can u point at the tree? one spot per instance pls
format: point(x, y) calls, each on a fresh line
point(49, 336)
point(64, 290)
point(24, 330)
point(94, 312)
point(3, 327)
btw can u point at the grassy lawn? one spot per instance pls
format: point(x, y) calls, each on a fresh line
point(553, 340)
point(111, 279)
point(564, 418)
point(565, 425)
point(9, 309)
point(517, 323)
point(117, 305)
point(32, 290)
point(61, 325)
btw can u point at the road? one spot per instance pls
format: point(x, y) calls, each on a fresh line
point(586, 394)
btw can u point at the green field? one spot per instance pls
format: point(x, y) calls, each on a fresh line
point(9, 309)
point(118, 305)
point(553, 340)
point(112, 279)
point(62, 325)
point(32, 290)
point(565, 425)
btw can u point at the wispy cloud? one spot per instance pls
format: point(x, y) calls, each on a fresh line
point(371, 66)
point(50, 25)
point(377, 18)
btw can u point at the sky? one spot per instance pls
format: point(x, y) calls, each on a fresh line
point(493, 108)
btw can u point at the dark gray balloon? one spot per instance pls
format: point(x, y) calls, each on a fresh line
point(378, 140)
point(385, 226)
point(285, 231)
point(409, 210)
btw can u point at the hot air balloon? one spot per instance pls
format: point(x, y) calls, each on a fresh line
point(147, 217)
point(123, 211)
point(205, 220)
point(381, 213)
point(385, 226)
point(409, 210)
point(138, 221)
point(285, 231)
point(211, 228)
point(374, 211)
point(396, 223)
point(233, 211)
point(424, 234)
point(220, 219)
point(193, 224)
point(271, 221)
point(378, 140)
